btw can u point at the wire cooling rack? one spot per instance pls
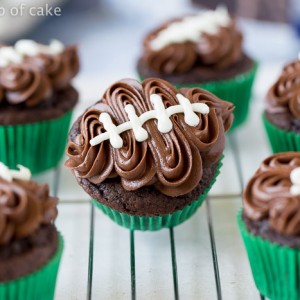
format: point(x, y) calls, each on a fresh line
point(203, 258)
point(134, 281)
point(172, 239)
point(210, 223)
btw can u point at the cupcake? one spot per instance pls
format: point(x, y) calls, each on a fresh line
point(270, 226)
point(203, 50)
point(36, 103)
point(282, 114)
point(30, 246)
point(148, 153)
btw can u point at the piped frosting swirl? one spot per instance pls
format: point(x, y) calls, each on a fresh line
point(60, 69)
point(31, 73)
point(209, 38)
point(172, 162)
point(24, 206)
point(24, 85)
point(269, 194)
point(284, 95)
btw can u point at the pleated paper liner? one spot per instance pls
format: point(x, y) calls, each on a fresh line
point(38, 146)
point(236, 90)
point(39, 285)
point(153, 223)
point(275, 268)
point(281, 140)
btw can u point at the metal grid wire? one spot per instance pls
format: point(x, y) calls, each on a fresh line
point(237, 161)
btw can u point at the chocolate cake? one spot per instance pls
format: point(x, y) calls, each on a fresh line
point(159, 165)
point(28, 237)
point(35, 82)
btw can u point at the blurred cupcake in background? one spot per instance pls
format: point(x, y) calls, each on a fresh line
point(36, 102)
point(203, 50)
point(282, 114)
point(30, 246)
point(148, 153)
point(270, 226)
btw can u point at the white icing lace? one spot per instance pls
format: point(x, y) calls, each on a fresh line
point(191, 28)
point(160, 113)
point(9, 175)
point(22, 48)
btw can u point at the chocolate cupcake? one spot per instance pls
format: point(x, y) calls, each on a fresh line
point(282, 114)
point(148, 153)
point(203, 50)
point(36, 102)
point(270, 226)
point(30, 246)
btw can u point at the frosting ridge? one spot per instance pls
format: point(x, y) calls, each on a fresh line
point(59, 68)
point(284, 94)
point(24, 85)
point(268, 194)
point(24, 207)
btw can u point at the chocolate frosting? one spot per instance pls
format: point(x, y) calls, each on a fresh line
point(24, 85)
point(24, 207)
point(171, 162)
point(267, 195)
point(38, 77)
point(218, 51)
point(60, 68)
point(284, 95)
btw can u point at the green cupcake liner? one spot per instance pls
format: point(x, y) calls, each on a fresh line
point(38, 146)
point(275, 268)
point(236, 90)
point(281, 140)
point(153, 223)
point(39, 285)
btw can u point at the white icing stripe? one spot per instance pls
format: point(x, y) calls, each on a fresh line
point(139, 132)
point(31, 48)
point(22, 48)
point(111, 129)
point(162, 114)
point(164, 123)
point(190, 117)
point(295, 179)
point(9, 55)
point(9, 175)
point(191, 28)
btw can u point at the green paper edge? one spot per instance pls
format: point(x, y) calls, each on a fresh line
point(275, 268)
point(281, 140)
point(153, 223)
point(236, 90)
point(38, 146)
point(37, 285)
